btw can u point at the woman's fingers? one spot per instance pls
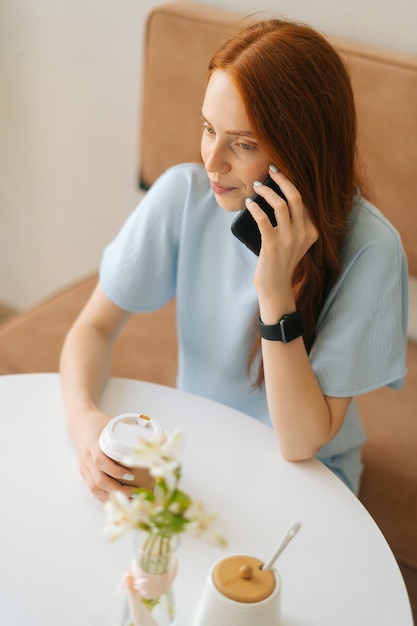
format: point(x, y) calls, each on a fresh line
point(101, 485)
point(292, 216)
point(101, 473)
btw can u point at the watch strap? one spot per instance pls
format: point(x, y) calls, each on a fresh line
point(289, 327)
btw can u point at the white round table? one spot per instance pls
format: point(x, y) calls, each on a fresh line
point(56, 568)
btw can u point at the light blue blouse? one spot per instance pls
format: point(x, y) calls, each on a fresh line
point(178, 243)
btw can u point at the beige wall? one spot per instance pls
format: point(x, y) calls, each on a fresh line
point(70, 94)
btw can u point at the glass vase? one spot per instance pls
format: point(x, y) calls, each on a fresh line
point(150, 600)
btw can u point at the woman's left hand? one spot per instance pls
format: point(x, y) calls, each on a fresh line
point(283, 246)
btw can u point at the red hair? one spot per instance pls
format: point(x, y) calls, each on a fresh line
point(298, 97)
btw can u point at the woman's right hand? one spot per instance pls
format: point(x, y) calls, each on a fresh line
point(283, 246)
point(101, 473)
point(85, 367)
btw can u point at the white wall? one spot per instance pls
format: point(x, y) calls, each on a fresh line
point(69, 114)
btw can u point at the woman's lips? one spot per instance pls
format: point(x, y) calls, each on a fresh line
point(219, 188)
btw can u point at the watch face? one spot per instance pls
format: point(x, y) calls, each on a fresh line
point(292, 326)
point(288, 328)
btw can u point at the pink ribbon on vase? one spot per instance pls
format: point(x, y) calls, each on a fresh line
point(140, 584)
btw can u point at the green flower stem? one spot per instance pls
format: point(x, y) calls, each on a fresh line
point(156, 554)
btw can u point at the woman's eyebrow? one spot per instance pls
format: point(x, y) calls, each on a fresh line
point(238, 133)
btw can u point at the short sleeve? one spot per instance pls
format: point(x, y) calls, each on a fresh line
point(138, 268)
point(361, 333)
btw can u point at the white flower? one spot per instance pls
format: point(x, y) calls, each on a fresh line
point(159, 455)
point(172, 445)
point(166, 510)
point(200, 522)
point(123, 514)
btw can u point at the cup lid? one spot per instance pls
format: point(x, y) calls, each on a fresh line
point(120, 437)
point(241, 578)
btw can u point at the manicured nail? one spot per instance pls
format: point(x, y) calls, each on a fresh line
point(257, 183)
point(248, 200)
point(274, 169)
point(128, 477)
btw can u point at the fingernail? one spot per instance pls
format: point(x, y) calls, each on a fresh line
point(128, 477)
point(274, 169)
point(257, 183)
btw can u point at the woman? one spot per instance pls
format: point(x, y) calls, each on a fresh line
point(278, 101)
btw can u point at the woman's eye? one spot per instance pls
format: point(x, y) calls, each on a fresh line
point(208, 129)
point(246, 146)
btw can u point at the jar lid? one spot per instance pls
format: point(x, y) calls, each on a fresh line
point(121, 435)
point(241, 578)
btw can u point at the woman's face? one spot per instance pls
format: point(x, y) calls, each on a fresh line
point(231, 154)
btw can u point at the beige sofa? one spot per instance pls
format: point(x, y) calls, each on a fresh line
point(180, 38)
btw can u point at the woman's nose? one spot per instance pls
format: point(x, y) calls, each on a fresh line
point(215, 159)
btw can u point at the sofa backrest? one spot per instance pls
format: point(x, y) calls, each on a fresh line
point(180, 38)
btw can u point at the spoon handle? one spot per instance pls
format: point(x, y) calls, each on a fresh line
point(289, 534)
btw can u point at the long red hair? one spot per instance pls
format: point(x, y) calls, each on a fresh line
point(298, 97)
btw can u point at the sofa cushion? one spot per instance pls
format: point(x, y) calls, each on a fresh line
point(145, 349)
point(389, 483)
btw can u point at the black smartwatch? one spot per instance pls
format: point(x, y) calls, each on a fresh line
point(287, 329)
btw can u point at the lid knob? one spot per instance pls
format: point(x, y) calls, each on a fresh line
point(246, 572)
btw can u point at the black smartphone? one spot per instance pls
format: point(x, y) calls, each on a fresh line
point(244, 226)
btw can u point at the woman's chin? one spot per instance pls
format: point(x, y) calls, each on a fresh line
point(231, 205)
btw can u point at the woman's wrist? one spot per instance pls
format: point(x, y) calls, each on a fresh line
point(271, 310)
point(78, 416)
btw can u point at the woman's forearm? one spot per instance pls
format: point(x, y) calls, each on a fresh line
point(303, 418)
point(86, 356)
point(85, 367)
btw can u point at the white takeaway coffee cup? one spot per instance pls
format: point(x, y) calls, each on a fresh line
point(120, 438)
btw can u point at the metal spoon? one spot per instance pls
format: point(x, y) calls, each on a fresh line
point(289, 534)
